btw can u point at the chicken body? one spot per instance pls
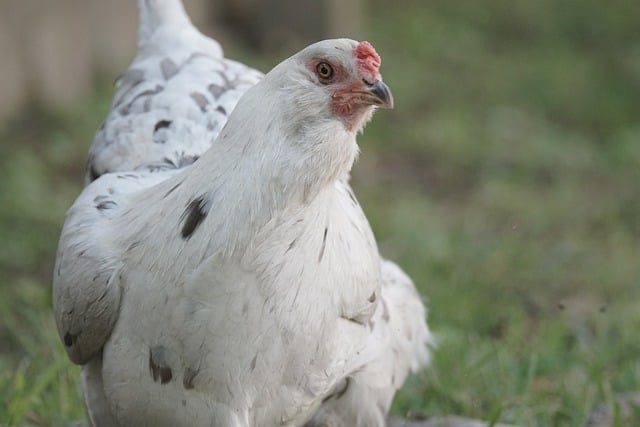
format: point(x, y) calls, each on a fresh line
point(244, 288)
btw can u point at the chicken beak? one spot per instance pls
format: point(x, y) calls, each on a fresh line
point(380, 94)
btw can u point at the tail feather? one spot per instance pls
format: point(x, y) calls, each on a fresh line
point(156, 13)
point(172, 101)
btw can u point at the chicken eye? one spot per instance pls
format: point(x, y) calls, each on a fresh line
point(324, 71)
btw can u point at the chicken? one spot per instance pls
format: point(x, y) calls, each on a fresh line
point(244, 288)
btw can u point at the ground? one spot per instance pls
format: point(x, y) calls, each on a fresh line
point(505, 181)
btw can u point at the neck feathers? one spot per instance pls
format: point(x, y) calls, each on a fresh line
point(291, 151)
point(271, 157)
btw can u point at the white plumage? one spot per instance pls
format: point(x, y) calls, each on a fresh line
point(244, 288)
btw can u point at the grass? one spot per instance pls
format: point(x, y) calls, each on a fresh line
point(40, 174)
point(505, 182)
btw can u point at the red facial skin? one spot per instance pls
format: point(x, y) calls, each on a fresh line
point(349, 99)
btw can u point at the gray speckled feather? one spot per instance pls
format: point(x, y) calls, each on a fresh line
point(171, 78)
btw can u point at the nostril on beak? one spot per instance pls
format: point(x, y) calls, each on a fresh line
point(382, 94)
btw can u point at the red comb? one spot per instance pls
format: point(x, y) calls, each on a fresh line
point(367, 59)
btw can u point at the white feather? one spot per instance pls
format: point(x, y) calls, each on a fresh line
point(245, 288)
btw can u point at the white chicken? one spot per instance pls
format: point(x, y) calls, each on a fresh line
point(244, 288)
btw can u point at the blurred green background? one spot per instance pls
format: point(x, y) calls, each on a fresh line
point(506, 182)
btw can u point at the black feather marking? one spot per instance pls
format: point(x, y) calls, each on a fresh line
point(169, 68)
point(189, 376)
point(107, 204)
point(127, 176)
point(186, 160)
point(324, 244)
point(93, 173)
point(146, 107)
point(216, 90)
point(160, 137)
point(252, 365)
point(131, 78)
point(103, 202)
point(221, 109)
point(200, 99)
point(193, 57)
point(149, 92)
point(338, 393)
point(128, 80)
point(372, 298)
point(160, 370)
point(182, 160)
point(291, 245)
point(224, 77)
point(161, 125)
point(69, 339)
point(195, 212)
point(354, 320)
point(172, 189)
point(341, 392)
